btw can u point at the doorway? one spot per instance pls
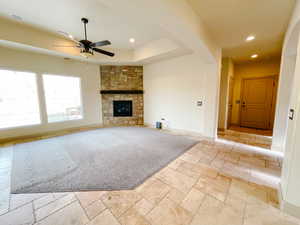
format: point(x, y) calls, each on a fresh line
point(258, 98)
point(247, 102)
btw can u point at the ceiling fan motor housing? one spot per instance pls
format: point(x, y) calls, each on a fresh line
point(84, 20)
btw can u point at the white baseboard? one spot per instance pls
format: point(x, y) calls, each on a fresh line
point(181, 131)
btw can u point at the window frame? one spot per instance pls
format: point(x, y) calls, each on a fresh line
point(36, 74)
point(45, 101)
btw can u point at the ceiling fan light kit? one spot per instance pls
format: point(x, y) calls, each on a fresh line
point(85, 53)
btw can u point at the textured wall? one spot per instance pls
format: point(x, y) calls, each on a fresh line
point(122, 78)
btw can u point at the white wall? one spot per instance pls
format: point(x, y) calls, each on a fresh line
point(172, 89)
point(287, 132)
point(90, 76)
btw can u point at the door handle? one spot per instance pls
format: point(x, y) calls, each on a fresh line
point(244, 105)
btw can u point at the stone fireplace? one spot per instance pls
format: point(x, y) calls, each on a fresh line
point(122, 95)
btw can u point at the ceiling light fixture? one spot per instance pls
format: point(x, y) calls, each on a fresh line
point(86, 53)
point(250, 38)
point(131, 40)
point(254, 56)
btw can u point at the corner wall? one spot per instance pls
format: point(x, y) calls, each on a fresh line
point(173, 88)
point(128, 78)
point(226, 73)
point(90, 77)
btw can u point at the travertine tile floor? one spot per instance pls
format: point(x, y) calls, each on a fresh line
point(214, 183)
point(251, 130)
point(259, 139)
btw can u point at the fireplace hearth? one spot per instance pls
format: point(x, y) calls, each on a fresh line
point(122, 108)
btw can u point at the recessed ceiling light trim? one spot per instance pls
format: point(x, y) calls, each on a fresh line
point(250, 38)
point(131, 40)
point(254, 56)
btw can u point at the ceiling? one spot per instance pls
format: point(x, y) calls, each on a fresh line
point(231, 21)
point(228, 22)
point(65, 15)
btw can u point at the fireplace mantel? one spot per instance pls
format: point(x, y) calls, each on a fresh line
point(103, 92)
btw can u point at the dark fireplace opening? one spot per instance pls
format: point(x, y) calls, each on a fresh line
point(122, 108)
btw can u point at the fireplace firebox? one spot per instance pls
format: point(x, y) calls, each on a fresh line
point(122, 108)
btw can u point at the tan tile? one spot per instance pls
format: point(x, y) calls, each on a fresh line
point(236, 203)
point(94, 209)
point(43, 201)
point(54, 206)
point(177, 180)
point(133, 217)
point(18, 200)
point(234, 170)
point(250, 161)
point(190, 169)
point(169, 213)
point(189, 158)
point(72, 214)
point(244, 191)
point(217, 187)
point(193, 200)
point(105, 218)
point(217, 163)
point(176, 195)
point(120, 201)
point(19, 216)
point(215, 212)
point(174, 165)
point(143, 206)
point(4, 201)
point(154, 191)
point(58, 195)
point(207, 186)
point(88, 197)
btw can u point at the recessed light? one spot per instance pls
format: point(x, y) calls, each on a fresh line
point(250, 38)
point(254, 56)
point(131, 40)
point(70, 36)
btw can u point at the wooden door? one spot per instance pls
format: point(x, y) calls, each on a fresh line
point(256, 104)
point(230, 99)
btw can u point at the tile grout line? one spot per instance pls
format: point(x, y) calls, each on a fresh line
point(57, 210)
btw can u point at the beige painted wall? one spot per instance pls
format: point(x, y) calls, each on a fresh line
point(172, 89)
point(249, 70)
point(227, 71)
point(90, 84)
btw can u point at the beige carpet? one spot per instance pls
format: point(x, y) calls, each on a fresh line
point(103, 159)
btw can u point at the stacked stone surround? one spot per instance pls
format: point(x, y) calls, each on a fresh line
point(122, 78)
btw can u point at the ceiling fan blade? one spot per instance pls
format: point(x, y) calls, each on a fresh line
point(66, 46)
point(100, 43)
point(103, 52)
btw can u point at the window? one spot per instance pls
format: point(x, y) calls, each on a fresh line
point(63, 98)
point(19, 105)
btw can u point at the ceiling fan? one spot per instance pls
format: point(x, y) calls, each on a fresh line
point(87, 48)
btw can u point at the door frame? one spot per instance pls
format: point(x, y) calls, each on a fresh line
point(274, 96)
